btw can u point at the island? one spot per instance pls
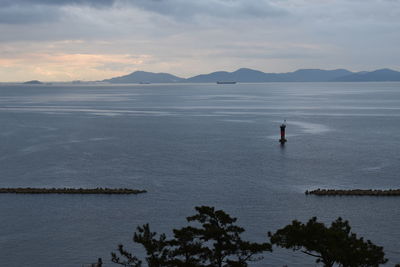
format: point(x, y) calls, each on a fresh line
point(33, 82)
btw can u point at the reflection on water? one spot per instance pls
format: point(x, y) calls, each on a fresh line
point(311, 128)
point(192, 145)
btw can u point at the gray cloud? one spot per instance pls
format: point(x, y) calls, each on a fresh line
point(37, 11)
point(183, 9)
point(28, 14)
point(58, 2)
point(40, 11)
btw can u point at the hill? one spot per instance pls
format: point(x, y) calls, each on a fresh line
point(382, 75)
point(33, 82)
point(145, 77)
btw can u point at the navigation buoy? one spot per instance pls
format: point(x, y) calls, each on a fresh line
point(283, 128)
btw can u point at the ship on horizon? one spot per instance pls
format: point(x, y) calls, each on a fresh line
point(226, 82)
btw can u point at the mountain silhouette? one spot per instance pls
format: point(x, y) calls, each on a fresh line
point(145, 77)
point(33, 82)
point(246, 75)
point(381, 75)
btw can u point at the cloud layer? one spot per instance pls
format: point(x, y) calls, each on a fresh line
point(95, 39)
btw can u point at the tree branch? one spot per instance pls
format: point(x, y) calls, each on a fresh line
point(308, 253)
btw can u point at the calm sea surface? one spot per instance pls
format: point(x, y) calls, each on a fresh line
point(192, 145)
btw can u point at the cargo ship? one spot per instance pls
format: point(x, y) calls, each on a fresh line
point(226, 82)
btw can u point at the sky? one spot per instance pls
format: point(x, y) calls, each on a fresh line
point(66, 40)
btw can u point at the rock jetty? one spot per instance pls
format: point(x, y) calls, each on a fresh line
point(354, 192)
point(99, 190)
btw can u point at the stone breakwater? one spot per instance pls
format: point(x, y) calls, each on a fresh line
point(354, 192)
point(104, 191)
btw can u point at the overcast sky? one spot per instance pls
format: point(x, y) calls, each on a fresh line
point(63, 40)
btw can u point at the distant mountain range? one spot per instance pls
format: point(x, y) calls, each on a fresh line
point(254, 76)
point(249, 75)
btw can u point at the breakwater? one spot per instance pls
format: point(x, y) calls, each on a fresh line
point(354, 192)
point(99, 190)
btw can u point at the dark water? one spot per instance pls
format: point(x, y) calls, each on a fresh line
point(193, 145)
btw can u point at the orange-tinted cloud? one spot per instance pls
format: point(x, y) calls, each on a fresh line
point(65, 67)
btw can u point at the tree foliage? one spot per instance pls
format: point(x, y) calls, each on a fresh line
point(212, 239)
point(223, 244)
point(330, 245)
point(216, 241)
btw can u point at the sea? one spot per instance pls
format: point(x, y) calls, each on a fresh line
point(190, 145)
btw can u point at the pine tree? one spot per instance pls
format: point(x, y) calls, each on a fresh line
point(216, 243)
point(329, 245)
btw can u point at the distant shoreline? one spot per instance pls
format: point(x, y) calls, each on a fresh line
point(103, 191)
point(246, 75)
point(102, 84)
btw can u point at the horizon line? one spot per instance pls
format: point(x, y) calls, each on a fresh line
point(183, 77)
